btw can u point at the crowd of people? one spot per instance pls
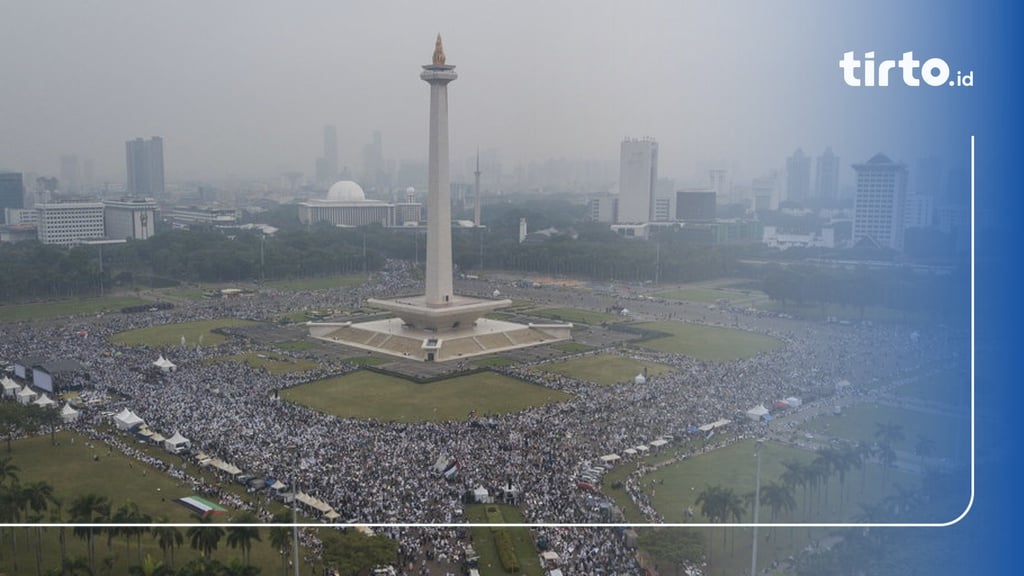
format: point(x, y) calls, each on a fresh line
point(379, 472)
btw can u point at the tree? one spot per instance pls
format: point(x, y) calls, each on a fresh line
point(778, 497)
point(889, 433)
point(204, 537)
point(135, 520)
point(680, 548)
point(924, 447)
point(86, 510)
point(281, 537)
point(243, 536)
point(167, 537)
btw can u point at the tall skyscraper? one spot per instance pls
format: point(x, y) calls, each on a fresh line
point(327, 168)
point(878, 208)
point(145, 160)
point(70, 174)
point(798, 177)
point(12, 192)
point(826, 175)
point(638, 179)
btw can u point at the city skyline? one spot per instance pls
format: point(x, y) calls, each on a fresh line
point(233, 103)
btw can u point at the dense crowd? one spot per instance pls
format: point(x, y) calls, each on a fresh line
point(376, 472)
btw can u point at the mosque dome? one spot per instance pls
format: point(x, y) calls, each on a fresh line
point(346, 191)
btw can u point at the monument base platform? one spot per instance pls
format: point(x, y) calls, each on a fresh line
point(394, 337)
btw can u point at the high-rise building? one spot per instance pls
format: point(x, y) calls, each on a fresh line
point(798, 177)
point(145, 161)
point(696, 205)
point(12, 191)
point(638, 178)
point(129, 218)
point(826, 176)
point(67, 223)
point(880, 201)
point(70, 174)
point(327, 166)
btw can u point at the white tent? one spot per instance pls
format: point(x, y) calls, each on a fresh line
point(842, 384)
point(223, 466)
point(757, 412)
point(659, 442)
point(10, 387)
point(26, 395)
point(126, 420)
point(44, 401)
point(164, 364)
point(68, 413)
point(794, 401)
point(639, 379)
point(630, 451)
point(609, 458)
point(177, 444)
point(481, 495)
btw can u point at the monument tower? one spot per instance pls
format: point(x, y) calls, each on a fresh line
point(439, 325)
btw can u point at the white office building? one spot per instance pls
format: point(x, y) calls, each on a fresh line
point(638, 178)
point(69, 223)
point(130, 218)
point(878, 209)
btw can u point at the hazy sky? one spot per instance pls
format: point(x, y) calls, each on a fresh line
point(244, 88)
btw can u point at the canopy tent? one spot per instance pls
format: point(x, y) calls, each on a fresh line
point(332, 515)
point(177, 444)
point(223, 466)
point(126, 420)
point(842, 384)
point(314, 503)
point(481, 495)
point(609, 458)
point(277, 485)
point(164, 364)
point(639, 379)
point(659, 442)
point(10, 387)
point(630, 451)
point(157, 439)
point(26, 395)
point(642, 448)
point(68, 414)
point(715, 424)
point(794, 401)
point(757, 412)
point(44, 401)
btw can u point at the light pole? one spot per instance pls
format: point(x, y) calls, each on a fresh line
point(295, 513)
point(757, 507)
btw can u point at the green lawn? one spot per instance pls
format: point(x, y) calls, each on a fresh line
point(677, 486)
point(369, 360)
point(709, 343)
point(492, 362)
point(71, 470)
point(605, 369)
point(950, 436)
point(576, 315)
point(300, 345)
point(704, 295)
point(170, 334)
point(60, 308)
point(367, 394)
point(275, 364)
point(483, 541)
point(320, 283)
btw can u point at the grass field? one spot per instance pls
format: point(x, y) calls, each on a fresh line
point(605, 369)
point(953, 389)
point(492, 362)
point(71, 470)
point(675, 487)
point(483, 541)
point(61, 308)
point(706, 295)
point(320, 283)
point(709, 343)
point(366, 394)
point(170, 334)
point(300, 345)
point(275, 364)
point(576, 315)
point(950, 436)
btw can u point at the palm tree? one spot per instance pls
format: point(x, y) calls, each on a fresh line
point(57, 517)
point(134, 520)
point(86, 510)
point(826, 462)
point(924, 447)
point(281, 537)
point(203, 537)
point(36, 496)
point(864, 451)
point(889, 433)
point(778, 497)
point(888, 458)
point(8, 470)
point(167, 537)
point(795, 475)
point(243, 536)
